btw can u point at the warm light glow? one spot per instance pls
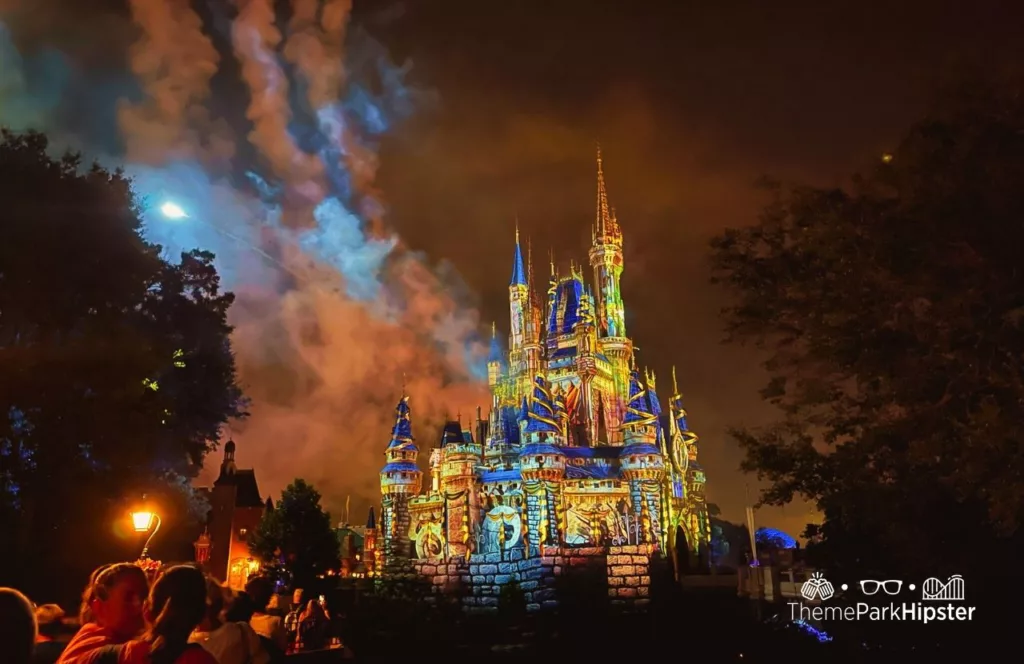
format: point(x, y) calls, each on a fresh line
point(886, 158)
point(142, 521)
point(172, 211)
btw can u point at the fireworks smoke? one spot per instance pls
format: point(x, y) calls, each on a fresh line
point(333, 315)
point(173, 61)
point(255, 38)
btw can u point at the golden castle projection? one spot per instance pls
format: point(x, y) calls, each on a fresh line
point(576, 457)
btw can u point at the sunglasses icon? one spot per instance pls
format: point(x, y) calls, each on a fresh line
point(891, 586)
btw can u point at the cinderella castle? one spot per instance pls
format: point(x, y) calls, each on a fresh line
point(576, 454)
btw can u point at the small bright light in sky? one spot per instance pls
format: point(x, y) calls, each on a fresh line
point(172, 211)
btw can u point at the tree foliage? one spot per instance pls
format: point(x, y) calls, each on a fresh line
point(299, 532)
point(893, 312)
point(116, 371)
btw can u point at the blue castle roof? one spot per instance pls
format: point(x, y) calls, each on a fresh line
point(518, 271)
point(540, 411)
point(565, 307)
point(495, 355)
point(400, 466)
point(540, 448)
point(640, 448)
point(638, 409)
point(401, 433)
point(654, 403)
point(680, 413)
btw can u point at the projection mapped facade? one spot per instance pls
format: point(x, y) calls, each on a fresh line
point(576, 460)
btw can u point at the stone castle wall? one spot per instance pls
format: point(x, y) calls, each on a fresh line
point(481, 581)
point(629, 574)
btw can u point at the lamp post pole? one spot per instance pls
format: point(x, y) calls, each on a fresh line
point(156, 527)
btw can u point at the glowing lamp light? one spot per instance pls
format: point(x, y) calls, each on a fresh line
point(172, 211)
point(143, 521)
point(146, 521)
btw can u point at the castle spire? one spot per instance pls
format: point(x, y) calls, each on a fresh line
point(540, 409)
point(638, 409)
point(529, 268)
point(401, 433)
point(518, 272)
point(603, 216)
point(495, 354)
point(606, 226)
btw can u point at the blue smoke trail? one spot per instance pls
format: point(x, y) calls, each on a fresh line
point(328, 319)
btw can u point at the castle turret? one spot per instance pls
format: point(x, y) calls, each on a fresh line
point(227, 466)
point(542, 464)
point(370, 543)
point(400, 479)
point(519, 310)
point(606, 259)
point(532, 349)
point(641, 460)
point(494, 359)
point(695, 521)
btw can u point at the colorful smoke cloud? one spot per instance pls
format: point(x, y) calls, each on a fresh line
point(334, 314)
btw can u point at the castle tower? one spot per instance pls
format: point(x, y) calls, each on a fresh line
point(400, 479)
point(370, 543)
point(460, 457)
point(227, 466)
point(542, 466)
point(606, 259)
point(519, 310)
point(641, 460)
point(494, 360)
point(694, 519)
point(532, 349)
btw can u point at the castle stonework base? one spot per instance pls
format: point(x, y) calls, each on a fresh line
point(481, 581)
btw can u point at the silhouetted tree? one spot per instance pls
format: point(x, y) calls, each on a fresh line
point(116, 371)
point(299, 531)
point(894, 314)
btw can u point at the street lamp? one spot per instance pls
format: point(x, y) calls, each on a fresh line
point(146, 521)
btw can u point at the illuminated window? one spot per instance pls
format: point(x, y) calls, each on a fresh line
point(242, 531)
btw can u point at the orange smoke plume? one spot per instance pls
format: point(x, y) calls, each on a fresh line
point(255, 39)
point(174, 61)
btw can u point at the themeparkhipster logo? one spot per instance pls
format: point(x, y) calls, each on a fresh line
point(939, 601)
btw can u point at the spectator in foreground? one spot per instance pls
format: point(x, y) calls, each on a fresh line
point(49, 641)
point(111, 612)
point(176, 606)
point(17, 627)
point(228, 641)
point(271, 627)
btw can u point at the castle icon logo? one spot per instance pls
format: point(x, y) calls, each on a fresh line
point(817, 587)
point(935, 590)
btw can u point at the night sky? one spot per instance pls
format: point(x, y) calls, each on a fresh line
point(691, 102)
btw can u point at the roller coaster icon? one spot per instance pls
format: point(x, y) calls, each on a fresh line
point(934, 589)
